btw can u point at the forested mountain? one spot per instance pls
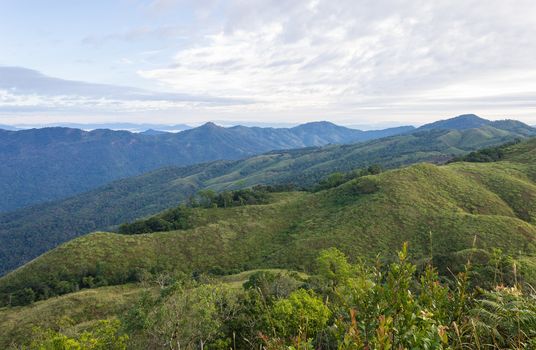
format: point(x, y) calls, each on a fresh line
point(461, 122)
point(26, 233)
point(449, 214)
point(471, 121)
point(39, 165)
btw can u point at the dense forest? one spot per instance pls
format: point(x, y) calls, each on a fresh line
point(489, 154)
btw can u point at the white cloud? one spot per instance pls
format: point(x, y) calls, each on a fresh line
point(26, 90)
point(75, 103)
point(321, 56)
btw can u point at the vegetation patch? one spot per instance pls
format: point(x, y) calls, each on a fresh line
point(342, 305)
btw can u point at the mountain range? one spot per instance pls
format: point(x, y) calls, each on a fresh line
point(448, 214)
point(39, 165)
point(28, 232)
point(133, 127)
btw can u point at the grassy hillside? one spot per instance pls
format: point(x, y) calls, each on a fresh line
point(70, 312)
point(80, 310)
point(26, 233)
point(439, 210)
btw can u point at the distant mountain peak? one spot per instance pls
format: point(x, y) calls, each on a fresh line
point(320, 122)
point(207, 128)
point(153, 132)
point(318, 125)
point(210, 125)
point(468, 116)
point(461, 122)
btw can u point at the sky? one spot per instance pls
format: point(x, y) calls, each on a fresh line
point(353, 62)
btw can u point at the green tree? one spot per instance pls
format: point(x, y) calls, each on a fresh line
point(207, 197)
point(23, 297)
point(333, 267)
point(302, 313)
point(191, 318)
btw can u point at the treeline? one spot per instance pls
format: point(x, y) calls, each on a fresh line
point(486, 155)
point(338, 178)
point(180, 218)
point(211, 199)
point(342, 306)
point(35, 288)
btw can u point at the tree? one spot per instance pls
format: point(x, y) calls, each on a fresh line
point(333, 266)
point(23, 297)
point(271, 285)
point(191, 318)
point(374, 169)
point(226, 199)
point(302, 313)
point(207, 198)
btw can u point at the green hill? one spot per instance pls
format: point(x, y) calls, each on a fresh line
point(439, 210)
point(26, 233)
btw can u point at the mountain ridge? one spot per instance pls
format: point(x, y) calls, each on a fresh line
point(21, 239)
point(40, 165)
point(472, 121)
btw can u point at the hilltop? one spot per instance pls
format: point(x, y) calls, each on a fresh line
point(26, 233)
point(441, 211)
point(471, 121)
point(461, 122)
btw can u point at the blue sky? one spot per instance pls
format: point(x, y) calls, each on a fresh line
point(186, 61)
point(92, 41)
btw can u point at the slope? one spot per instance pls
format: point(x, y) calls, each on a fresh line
point(82, 309)
point(439, 210)
point(72, 311)
point(26, 233)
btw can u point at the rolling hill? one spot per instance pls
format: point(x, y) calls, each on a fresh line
point(439, 210)
point(26, 233)
point(39, 165)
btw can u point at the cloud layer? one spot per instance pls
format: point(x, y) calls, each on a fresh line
point(346, 60)
point(26, 90)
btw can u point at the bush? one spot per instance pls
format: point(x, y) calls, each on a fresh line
point(105, 336)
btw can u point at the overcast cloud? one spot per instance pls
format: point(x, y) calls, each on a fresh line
point(348, 61)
